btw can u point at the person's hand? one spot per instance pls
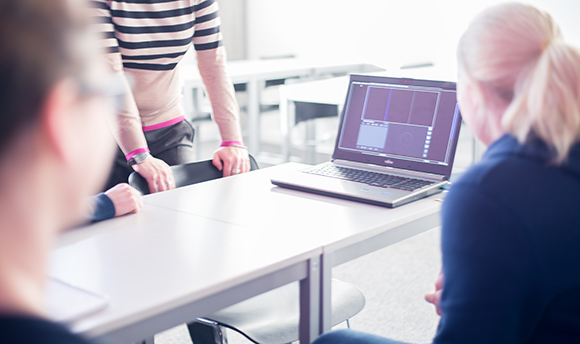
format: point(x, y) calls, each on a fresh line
point(231, 160)
point(126, 199)
point(434, 297)
point(157, 173)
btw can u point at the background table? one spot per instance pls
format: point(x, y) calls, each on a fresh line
point(254, 73)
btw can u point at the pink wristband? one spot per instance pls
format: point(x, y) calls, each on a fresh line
point(137, 151)
point(231, 143)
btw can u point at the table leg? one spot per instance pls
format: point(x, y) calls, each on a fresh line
point(310, 141)
point(287, 115)
point(310, 303)
point(326, 293)
point(253, 108)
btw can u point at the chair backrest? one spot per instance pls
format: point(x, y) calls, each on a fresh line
point(186, 174)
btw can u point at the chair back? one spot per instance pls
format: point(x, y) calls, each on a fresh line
point(187, 174)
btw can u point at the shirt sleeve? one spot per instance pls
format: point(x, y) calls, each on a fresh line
point(127, 127)
point(102, 208)
point(490, 292)
point(211, 61)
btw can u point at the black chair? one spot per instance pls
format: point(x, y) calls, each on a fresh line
point(271, 317)
point(187, 174)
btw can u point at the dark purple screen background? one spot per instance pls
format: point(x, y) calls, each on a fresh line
point(408, 120)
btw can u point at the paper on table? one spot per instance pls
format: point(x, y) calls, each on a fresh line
point(66, 303)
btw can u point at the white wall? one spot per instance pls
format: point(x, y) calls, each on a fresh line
point(385, 32)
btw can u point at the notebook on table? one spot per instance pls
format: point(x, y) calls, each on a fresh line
point(66, 303)
point(396, 143)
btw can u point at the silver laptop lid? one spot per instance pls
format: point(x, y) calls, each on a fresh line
point(408, 124)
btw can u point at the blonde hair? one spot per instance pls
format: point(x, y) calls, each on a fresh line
point(517, 51)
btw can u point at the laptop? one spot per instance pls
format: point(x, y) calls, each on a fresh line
point(396, 143)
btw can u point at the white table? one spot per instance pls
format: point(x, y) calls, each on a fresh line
point(197, 249)
point(343, 229)
point(254, 74)
point(162, 268)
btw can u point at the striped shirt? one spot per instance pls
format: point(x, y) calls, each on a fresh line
point(146, 39)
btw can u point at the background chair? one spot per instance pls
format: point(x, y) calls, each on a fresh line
point(271, 317)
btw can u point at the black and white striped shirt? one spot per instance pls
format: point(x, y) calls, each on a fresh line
point(155, 34)
point(146, 40)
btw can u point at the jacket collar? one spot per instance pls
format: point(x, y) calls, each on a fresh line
point(534, 149)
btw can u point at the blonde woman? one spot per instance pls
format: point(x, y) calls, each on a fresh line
point(511, 224)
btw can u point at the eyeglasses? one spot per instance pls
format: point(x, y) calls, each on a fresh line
point(109, 86)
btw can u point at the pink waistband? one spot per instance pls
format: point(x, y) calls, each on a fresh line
point(164, 124)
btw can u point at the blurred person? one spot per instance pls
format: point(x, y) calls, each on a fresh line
point(146, 40)
point(510, 224)
point(55, 147)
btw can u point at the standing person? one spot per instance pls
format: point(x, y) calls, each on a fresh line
point(511, 224)
point(146, 40)
point(52, 114)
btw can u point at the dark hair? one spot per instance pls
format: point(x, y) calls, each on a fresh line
point(39, 47)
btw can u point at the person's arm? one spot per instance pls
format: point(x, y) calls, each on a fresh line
point(127, 128)
point(491, 282)
point(119, 200)
point(211, 60)
point(101, 208)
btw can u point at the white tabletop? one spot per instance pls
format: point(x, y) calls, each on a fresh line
point(344, 229)
point(158, 260)
point(252, 201)
point(197, 249)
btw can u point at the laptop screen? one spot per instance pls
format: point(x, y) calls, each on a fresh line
point(402, 123)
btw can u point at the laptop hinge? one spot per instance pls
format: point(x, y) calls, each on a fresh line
point(390, 170)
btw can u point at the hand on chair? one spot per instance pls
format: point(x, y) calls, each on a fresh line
point(157, 173)
point(231, 160)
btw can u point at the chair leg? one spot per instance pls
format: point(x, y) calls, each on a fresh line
point(204, 331)
point(348, 323)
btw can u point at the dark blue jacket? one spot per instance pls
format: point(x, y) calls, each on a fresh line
point(511, 249)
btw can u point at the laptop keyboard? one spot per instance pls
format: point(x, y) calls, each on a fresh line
point(371, 178)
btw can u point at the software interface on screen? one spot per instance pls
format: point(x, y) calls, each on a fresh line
point(400, 121)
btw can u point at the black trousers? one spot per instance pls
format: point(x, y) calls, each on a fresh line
point(172, 144)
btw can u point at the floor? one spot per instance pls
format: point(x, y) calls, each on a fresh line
point(393, 280)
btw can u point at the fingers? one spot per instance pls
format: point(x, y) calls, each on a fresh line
point(217, 162)
point(434, 298)
point(157, 173)
point(228, 167)
point(245, 165)
point(231, 160)
point(125, 198)
point(439, 282)
point(430, 297)
point(137, 200)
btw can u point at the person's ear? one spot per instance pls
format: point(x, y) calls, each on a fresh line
point(56, 121)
